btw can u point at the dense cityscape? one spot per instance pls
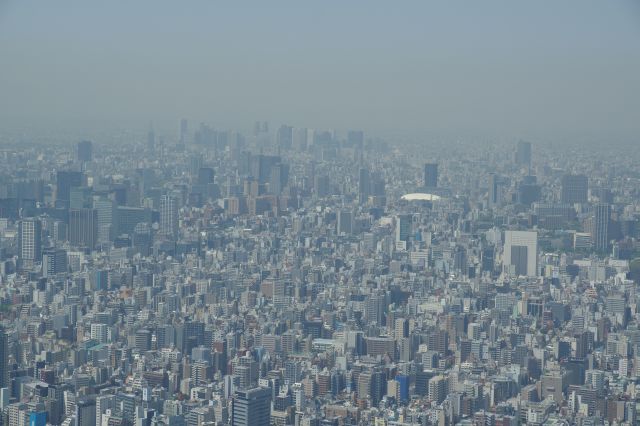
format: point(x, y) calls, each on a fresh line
point(290, 276)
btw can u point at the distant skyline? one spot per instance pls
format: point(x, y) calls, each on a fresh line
point(546, 69)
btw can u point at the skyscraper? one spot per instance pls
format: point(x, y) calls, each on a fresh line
point(601, 218)
point(169, 216)
point(520, 255)
point(252, 407)
point(355, 138)
point(206, 175)
point(345, 222)
point(106, 210)
point(284, 137)
point(83, 227)
point(30, 240)
point(431, 175)
point(364, 186)
point(4, 358)
point(494, 189)
point(279, 178)
point(403, 227)
point(151, 140)
point(54, 261)
point(65, 180)
point(85, 151)
point(575, 189)
point(523, 154)
point(184, 129)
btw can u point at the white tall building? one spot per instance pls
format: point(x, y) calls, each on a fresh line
point(520, 255)
point(29, 240)
point(169, 215)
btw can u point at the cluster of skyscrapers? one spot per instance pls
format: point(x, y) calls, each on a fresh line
point(307, 277)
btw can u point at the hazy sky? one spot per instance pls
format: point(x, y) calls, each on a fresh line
point(552, 68)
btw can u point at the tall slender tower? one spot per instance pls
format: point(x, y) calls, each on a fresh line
point(364, 186)
point(30, 240)
point(4, 358)
point(431, 175)
point(601, 227)
point(169, 216)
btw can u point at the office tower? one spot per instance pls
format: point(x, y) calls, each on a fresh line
point(520, 255)
point(355, 138)
point(85, 411)
point(128, 217)
point(260, 166)
point(300, 137)
point(54, 261)
point(206, 136)
point(601, 227)
point(375, 309)
point(65, 180)
point(251, 407)
point(378, 387)
point(494, 190)
point(195, 163)
point(206, 175)
point(184, 129)
point(403, 227)
point(169, 216)
point(322, 186)
point(431, 175)
point(85, 151)
point(364, 186)
point(4, 359)
point(529, 191)
point(487, 258)
point(106, 211)
point(345, 222)
point(403, 387)
point(37, 418)
point(575, 189)
point(30, 240)
point(284, 137)
point(377, 187)
point(83, 227)
point(279, 178)
point(151, 140)
point(59, 231)
point(143, 340)
point(523, 154)
point(80, 197)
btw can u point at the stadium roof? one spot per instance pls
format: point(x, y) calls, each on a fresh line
point(420, 196)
